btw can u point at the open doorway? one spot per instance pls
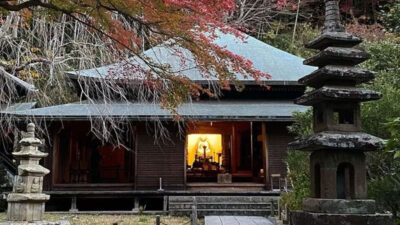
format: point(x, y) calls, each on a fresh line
point(214, 149)
point(81, 159)
point(204, 156)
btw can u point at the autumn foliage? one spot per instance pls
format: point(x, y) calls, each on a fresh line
point(187, 24)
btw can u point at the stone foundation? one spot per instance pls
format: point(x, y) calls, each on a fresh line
point(319, 211)
point(309, 218)
point(25, 212)
point(338, 206)
point(26, 207)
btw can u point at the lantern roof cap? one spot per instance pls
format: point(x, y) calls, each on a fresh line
point(338, 56)
point(331, 140)
point(338, 93)
point(334, 39)
point(330, 73)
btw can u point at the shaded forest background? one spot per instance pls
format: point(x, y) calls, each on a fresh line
point(40, 50)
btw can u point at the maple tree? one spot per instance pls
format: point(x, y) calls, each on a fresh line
point(41, 39)
point(191, 25)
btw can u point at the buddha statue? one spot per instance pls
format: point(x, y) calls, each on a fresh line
point(203, 148)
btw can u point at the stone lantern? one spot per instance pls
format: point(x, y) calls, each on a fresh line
point(26, 202)
point(337, 161)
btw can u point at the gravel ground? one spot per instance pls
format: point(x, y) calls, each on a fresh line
point(81, 219)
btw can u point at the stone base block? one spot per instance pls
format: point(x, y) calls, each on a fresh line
point(61, 222)
point(224, 178)
point(29, 211)
point(339, 206)
point(308, 218)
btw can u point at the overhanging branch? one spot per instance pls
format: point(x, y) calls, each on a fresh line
point(18, 6)
point(27, 86)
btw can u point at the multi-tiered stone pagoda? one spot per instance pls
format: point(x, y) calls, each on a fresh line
point(26, 202)
point(337, 161)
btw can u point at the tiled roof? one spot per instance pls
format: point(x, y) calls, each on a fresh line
point(282, 66)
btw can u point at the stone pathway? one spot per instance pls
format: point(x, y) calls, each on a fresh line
point(236, 220)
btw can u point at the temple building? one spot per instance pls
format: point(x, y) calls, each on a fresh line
point(234, 144)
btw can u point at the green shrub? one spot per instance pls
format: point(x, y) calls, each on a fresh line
point(393, 144)
point(298, 164)
point(391, 16)
point(383, 168)
point(386, 192)
point(281, 37)
point(299, 174)
point(385, 58)
point(3, 187)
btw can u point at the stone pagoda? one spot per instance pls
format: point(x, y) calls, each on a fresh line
point(26, 202)
point(337, 161)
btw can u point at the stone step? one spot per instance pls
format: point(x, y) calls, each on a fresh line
point(223, 205)
point(206, 199)
point(215, 187)
point(227, 205)
point(224, 189)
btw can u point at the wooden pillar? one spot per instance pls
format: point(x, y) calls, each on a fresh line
point(132, 145)
point(233, 150)
point(165, 203)
point(55, 176)
point(251, 148)
point(136, 159)
point(226, 151)
point(265, 153)
point(136, 204)
point(73, 208)
point(185, 158)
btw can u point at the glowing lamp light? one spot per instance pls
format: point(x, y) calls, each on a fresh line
point(204, 145)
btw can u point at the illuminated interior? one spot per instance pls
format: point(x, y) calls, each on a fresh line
point(204, 146)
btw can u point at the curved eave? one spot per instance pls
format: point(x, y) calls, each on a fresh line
point(77, 77)
point(165, 118)
point(331, 93)
point(206, 110)
point(329, 140)
point(337, 73)
point(338, 56)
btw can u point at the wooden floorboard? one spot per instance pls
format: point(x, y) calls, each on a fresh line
point(236, 220)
